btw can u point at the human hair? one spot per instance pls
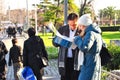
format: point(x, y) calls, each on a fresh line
point(72, 16)
point(31, 32)
point(14, 41)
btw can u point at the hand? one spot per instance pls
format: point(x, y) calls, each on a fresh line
point(82, 33)
point(73, 46)
point(78, 41)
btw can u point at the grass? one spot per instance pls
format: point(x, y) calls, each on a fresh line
point(52, 51)
point(47, 38)
point(107, 36)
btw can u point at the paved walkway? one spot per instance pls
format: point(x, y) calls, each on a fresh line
point(50, 72)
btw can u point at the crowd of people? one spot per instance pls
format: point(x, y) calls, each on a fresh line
point(11, 31)
point(87, 40)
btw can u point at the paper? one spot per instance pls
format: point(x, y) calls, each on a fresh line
point(51, 26)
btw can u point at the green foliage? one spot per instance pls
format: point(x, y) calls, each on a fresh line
point(50, 13)
point(103, 76)
point(107, 12)
point(52, 52)
point(87, 9)
point(72, 7)
point(115, 62)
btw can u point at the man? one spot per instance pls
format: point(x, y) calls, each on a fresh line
point(3, 52)
point(90, 42)
point(67, 55)
point(15, 56)
point(33, 50)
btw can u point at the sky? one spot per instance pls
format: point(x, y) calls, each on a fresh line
point(98, 4)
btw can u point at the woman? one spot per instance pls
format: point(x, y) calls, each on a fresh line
point(33, 50)
point(89, 41)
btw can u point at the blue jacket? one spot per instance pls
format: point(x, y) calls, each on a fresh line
point(91, 46)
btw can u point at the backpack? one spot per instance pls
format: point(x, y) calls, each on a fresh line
point(105, 56)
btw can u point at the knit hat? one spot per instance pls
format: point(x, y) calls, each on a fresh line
point(85, 20)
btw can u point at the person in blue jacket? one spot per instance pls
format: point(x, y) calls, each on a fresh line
point(89, 41)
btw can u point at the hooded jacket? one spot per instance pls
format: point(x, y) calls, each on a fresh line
point(91, 45)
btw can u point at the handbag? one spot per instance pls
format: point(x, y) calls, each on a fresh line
point(105, 56)
point(39, 54)
point(26, 73)
point(44, 61)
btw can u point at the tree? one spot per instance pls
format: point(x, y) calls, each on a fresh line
point(108, 13)
point(54, 12)
point(85, 4)
point(117, 14)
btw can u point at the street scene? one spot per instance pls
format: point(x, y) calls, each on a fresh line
point(59, 40)
point(50, 72)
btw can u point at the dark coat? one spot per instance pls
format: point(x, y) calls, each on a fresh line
point(32, 47)
point(3, 52)
point(15, 54)
point(63, 51)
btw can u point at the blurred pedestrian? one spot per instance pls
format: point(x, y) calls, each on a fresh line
point(15, 56)
point(3, 52)
point(89, 42)
point(33, 51)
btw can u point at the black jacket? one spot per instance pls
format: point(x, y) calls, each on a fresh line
point(62, 50)
point(3, 52)
point(15, 54)
point(33, 46)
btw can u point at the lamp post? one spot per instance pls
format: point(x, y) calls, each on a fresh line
point(27, 14)
point(65, 11)
point(36, 19)
point(35, 8)
point(9, 13)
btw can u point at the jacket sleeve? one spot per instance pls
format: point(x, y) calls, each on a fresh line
point(20, 51)
point(4, 49)
point(9, 62)
point(25, 56)
point(86, 43)
point(60, 30)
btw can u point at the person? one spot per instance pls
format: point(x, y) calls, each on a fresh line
point(67, 55)
point(15, 56)
point(19, 29)
point(89, 42)
point(3, 52)
point(9, 31)
point(33, 49)
point(14, 32)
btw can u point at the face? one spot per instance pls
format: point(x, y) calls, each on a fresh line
point(72, 24)
point(81, 30)
point(81, 27)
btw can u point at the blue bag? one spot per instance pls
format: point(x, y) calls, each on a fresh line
point(28, 74)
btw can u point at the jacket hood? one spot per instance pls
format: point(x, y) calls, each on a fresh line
point(93, 27)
